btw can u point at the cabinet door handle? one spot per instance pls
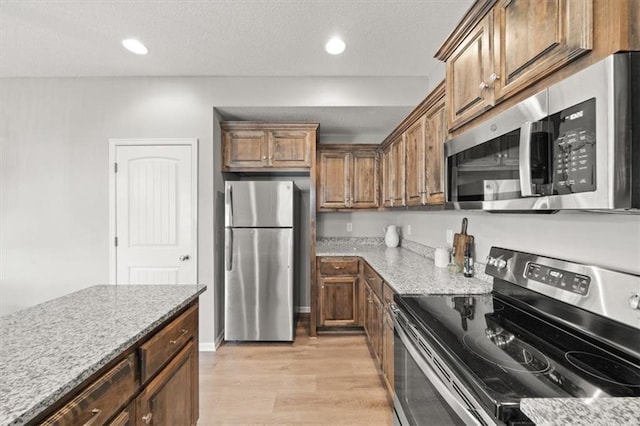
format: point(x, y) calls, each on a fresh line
point(337, 267)
point(494, 77)
point(484, 85)
point(94, 415)
point(182, 333)
point(146, 419)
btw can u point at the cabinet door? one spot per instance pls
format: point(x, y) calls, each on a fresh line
point(398, 162)
point(468, 72)
point(289, 149)
point(387, 351)
point(376, 328)
point(534, 38)
point(334, 180)
point(415, 163)
point(338, 301)
point(368, 304)
point(171, 397)
point(364, 180)
point(244, 149)
point(435, 130)
point(387, 180)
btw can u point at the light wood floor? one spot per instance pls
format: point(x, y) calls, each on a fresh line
point(329, 380)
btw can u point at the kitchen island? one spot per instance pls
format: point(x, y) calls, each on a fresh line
point(53, 353)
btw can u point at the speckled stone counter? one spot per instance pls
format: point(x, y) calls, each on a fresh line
point(582, 411)
point(406, 271)
point(49, 349)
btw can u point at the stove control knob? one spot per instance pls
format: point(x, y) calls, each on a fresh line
point(634, 301)
point(501, 263)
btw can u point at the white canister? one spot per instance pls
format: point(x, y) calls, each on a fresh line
point(391, 237)
point(441, 257)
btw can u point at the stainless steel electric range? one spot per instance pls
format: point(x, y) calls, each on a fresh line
point(549, 329)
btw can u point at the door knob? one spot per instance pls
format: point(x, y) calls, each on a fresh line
point(184, 257)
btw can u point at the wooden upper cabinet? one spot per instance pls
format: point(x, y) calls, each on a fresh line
point(290, 148)
point(415, 164)
point(502, 47)
point(244, 149)
point(534, 38)
point(348, 177)
point(364, 180)
point(435, 135)
point(333, 191)
point(469, 69)
point(386, 176)
point(259, 147)
point(398, 162)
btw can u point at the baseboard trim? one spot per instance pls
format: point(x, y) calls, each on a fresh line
point(219, 340)
point(303, 309)
point(207, 347)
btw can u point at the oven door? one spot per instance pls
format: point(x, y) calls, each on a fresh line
point(421, 397)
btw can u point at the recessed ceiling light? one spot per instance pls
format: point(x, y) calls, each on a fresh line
point(335, 46)
point(133, 45)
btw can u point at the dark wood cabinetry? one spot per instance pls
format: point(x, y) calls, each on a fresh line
point(171, 397)
point(348, 177)
point(267, 147)
point(153, 382)
point(339, 291)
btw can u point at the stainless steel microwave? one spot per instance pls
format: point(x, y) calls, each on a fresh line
point(575, 145)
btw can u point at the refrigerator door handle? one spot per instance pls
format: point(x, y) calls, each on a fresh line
point(229, 205)
point(228, 249)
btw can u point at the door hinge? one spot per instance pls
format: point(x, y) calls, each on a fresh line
point(115, 241)
point(115, 167)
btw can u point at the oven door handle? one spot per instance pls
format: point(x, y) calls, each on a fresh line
point(467, 414)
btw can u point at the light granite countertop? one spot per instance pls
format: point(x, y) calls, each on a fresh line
point(582, 411)
point(406, 271)
point(49, 349)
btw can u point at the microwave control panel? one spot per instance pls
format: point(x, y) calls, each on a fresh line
point(565, 280)
point(574, 149)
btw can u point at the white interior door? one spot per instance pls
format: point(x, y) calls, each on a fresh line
point(155, 221)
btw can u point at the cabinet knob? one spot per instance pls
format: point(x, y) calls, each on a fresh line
point(264, 157)
point(184, 257)
point(94, 415)
point(484, 85)
point(494, 77)
point(147, 418)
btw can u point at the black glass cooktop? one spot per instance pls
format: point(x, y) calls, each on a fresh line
point(504, 352)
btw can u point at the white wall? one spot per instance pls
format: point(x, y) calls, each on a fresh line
point(54, 174)
point(609, 240)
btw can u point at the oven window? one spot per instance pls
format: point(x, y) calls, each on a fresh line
point(420, 401)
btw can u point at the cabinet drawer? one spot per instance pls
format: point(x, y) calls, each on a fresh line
point(373, 279)
point(339, 266)
point(167, 342)
point(101, 400)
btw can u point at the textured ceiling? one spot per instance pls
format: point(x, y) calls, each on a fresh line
point(252, 38)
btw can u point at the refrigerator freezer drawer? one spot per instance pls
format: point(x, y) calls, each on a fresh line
point(259, 284)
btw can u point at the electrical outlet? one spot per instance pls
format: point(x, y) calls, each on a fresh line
point(349, 227)
point(408, 229)
point(450, 236)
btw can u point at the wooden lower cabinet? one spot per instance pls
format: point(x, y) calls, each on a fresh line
point(387, 338)
point(338, 301)
point(171, 397)
point(339, 297)
point(153, 382)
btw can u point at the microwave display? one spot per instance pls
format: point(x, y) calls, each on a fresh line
point(574, 148)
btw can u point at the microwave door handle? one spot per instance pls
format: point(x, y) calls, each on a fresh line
point(525, 160)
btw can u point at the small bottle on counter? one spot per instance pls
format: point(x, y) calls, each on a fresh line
point(468, 261)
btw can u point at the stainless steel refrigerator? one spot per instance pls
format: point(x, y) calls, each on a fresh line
point(260, 246)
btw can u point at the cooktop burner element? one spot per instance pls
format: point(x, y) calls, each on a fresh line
point(504, 350)
point(606, 369)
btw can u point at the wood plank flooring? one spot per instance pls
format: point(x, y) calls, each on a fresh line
point(330, 380)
